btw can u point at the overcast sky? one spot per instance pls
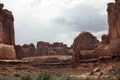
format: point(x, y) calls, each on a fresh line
point(57, 20)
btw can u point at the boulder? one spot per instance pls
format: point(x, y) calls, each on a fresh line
point(85, 41)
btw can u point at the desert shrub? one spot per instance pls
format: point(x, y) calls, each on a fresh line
point(17, 75)
point(44, 76)
point(28, 77)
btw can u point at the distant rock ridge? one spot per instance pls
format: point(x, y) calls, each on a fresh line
point(42, 49)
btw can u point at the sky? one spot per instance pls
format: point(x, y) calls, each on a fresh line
point(57, 20)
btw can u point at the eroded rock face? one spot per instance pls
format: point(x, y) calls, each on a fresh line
point(44, 48)
point(114, 27)
point(6, 26)
point(28, 50)
point(105, 39)
point(85, 41)
point(7, 52)
point(18, 51)
point(114, 21)
point(6, 34)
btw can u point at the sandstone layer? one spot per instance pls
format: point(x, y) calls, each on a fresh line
point(7, 52)
point(6, 34)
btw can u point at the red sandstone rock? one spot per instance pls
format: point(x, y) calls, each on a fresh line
point(110, 43)
point(7, 52)
point(105, 39)
point(25, 51)
point(114, 21)
point(1, 33)
point(6, 20)
point(18, 51)
point(44, 48)
point(6, 34)
point(28, 50)
point(85, 41)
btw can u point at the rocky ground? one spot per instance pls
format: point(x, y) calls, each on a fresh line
point(103, 71)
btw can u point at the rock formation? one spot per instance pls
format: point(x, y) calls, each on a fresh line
point(114, 21)
point(105, 39)
point(18, 51)
point(25, 51)
point(114, 26)
point(85, 41)
point(7, 52)
point(7, 26)
point(6, 34)
point(1, 33)
point(44, 48)
point(110, 43)
point(28, 50)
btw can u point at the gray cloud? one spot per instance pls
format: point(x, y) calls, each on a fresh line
point(83, 17)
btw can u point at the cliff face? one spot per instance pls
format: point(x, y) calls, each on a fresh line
point(114, 21)
point(6, 26)
point(114, 27)
point(28, 50)
point(7, 52)
point(6, 34)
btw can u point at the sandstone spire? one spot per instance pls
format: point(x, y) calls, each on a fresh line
point(7, 23)
point(114, 21)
